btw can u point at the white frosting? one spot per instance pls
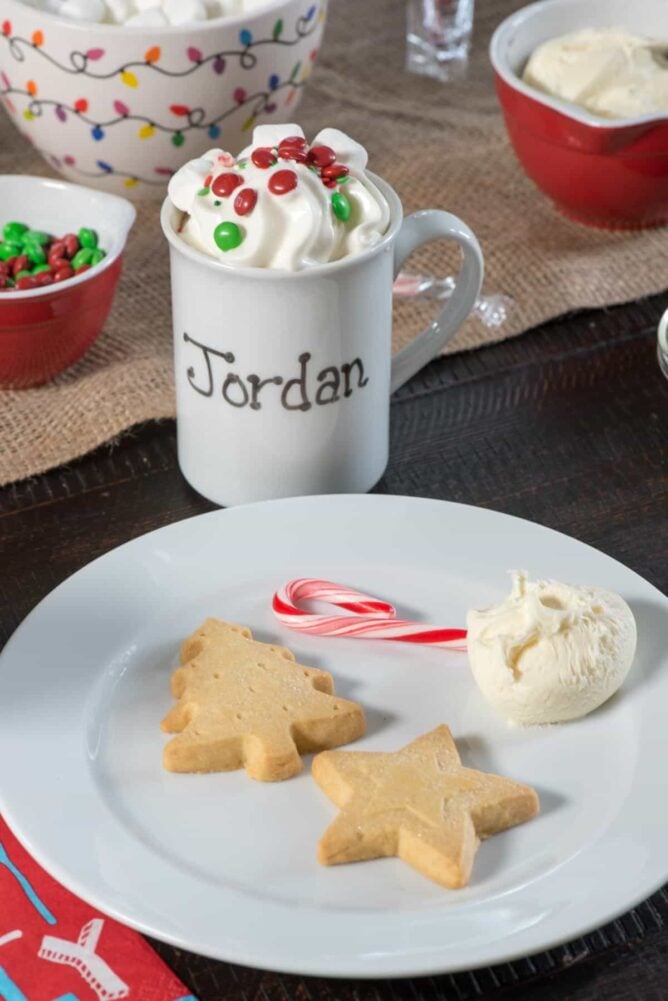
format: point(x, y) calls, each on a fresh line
point(290, 231)
point(551, 652)
point(143, 13)
point(609, 71)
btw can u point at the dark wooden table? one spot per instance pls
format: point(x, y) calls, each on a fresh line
point(566, 426)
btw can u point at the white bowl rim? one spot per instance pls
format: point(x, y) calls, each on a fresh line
point(276, 274)
point(123, 204)
point(498, 58)
point(199, 27)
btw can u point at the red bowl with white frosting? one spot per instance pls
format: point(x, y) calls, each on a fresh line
point(45, 330)
point(604, 172)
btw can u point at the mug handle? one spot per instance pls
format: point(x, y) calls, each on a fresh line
point(419, 228)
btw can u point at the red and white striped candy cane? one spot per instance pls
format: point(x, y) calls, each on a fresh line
point(370, 618)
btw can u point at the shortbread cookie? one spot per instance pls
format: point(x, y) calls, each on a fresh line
point(419, 804)
point(249, 704)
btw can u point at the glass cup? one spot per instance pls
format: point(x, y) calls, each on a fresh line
point(438, 37)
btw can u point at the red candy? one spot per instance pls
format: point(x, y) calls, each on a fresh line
point(84, 267)
point(282, 181)
point(292, 153)
point(329, 182)
point(321, 156)
point(20, 263)
point(27, 282)
point(43, 278)
point(225, 184)
point(335, 170)
point(57, 249)
point(296, 141)
point(264, 157)
point(63, 273)
point(293, 148)
point(72, 245)
point(245, 201)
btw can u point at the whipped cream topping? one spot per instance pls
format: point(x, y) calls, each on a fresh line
point(551, 652)
point(608, 71)
point(282, 203)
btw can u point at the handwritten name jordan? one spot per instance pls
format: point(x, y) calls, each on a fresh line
point(300, 391)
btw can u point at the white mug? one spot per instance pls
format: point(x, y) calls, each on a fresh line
point(283, 379)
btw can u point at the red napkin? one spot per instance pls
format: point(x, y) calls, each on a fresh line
point(53, 947)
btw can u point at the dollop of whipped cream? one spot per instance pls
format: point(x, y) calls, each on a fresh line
point(608, 71)
point(551, 652)
point(282, 203)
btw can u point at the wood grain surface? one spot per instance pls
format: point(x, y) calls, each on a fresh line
point(566, 426)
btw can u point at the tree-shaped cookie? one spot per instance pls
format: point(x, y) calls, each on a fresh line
point(419, 804)
point(249, 704)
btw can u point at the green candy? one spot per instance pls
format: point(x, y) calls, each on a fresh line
point(227, 236)
point(39, 268)
point(34, 253)
point(35, 237)
point(88, 238)
point(81, 258)
point(23, 274)
point(13, 231)
point(341, 206)
point(8, 249)
point(97, 256)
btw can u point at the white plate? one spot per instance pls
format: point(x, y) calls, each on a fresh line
point(225, 866)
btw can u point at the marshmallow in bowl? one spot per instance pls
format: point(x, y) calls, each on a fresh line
point(143, 13)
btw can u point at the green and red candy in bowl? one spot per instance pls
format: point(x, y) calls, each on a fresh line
point(121, 107)
point(31, 258)
point(56, 290)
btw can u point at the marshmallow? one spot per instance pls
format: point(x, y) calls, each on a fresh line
point(152, 18)
point(83, 10)
point(144, 13)
point(120, 11)
point(184, 11)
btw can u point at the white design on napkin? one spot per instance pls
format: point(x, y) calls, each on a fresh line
point(10, 937)
point(82, 956)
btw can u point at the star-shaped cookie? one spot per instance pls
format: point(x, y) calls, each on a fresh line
point(419, 804)
point(249, 704)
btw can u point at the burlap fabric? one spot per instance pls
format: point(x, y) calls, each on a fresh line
point(438, 145)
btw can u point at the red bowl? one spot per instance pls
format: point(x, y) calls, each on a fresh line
point(605, 173)
point(44, 331)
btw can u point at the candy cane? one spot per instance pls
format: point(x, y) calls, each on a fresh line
point(370, 617)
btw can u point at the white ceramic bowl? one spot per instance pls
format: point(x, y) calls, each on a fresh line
point(122, 108)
